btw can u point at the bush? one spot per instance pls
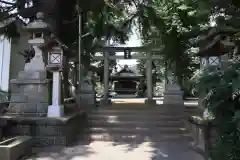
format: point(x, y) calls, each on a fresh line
point(3, 96)
point(221, 92)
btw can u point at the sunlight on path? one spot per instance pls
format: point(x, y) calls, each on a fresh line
point(111, 151)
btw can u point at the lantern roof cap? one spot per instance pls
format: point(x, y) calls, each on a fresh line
point(53, 42)
point(213, 48)
point(220, 31)
point(39, 24)
point(215, 31)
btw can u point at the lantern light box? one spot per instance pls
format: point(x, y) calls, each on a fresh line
point(55, 57)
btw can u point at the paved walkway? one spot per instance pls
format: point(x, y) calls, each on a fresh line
point(111, 151)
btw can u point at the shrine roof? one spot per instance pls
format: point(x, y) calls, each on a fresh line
point(132, 78)
point(126, 71)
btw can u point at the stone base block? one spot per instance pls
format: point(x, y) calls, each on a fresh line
point(55, 111)
point(105, 102)
point(15, 148)
point(173, 98)
point(46, 131)
point(86, 100)
point(150, 102)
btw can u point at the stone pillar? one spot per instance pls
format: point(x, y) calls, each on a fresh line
point(29, 96)
point(56, 109)
point(149, 99)
point(172, 93)
point(105, 100)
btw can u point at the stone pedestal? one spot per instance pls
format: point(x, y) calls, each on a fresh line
point(150, 102)
point(173, 95)
point(87, 97)
point(29, 95)
point(61, 131)
point(105, 102)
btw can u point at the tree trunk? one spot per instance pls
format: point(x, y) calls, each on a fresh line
point(65, 77)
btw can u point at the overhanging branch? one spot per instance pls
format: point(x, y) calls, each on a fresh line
point(8, 3)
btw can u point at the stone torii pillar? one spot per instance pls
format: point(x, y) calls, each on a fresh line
point(105, 100)
point(149, 99)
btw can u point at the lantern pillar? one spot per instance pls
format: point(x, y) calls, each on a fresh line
point(55, 59)
point(56, 109)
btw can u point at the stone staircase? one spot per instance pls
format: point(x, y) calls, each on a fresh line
point(137, 123)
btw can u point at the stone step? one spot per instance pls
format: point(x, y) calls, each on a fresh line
point(193, 111)
point(139, 137)
point(135, 117)
point(137, 123)
point(141, 106)
point(141, 111)
point(155, 112)
point(138, 130)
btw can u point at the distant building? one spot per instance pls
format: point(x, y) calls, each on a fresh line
point(125, 81)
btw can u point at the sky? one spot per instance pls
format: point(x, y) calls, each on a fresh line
point(134, 41)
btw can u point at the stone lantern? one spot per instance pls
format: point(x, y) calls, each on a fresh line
point(211, 54)
point(29, 112)
point(38, 30)
point(215, 52)
point(217, 46)
point(39, 33)
point(29, 96)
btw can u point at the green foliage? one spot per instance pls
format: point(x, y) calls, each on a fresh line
point(3, 96)
point(173, 24)
point(221, 88)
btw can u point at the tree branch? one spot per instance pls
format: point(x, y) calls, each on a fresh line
point(8, 3)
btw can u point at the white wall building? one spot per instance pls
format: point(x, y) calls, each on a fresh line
point(11, 62)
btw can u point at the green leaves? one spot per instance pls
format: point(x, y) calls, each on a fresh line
point(175, 22)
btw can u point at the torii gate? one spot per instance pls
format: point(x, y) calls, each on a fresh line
point(127, 50)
